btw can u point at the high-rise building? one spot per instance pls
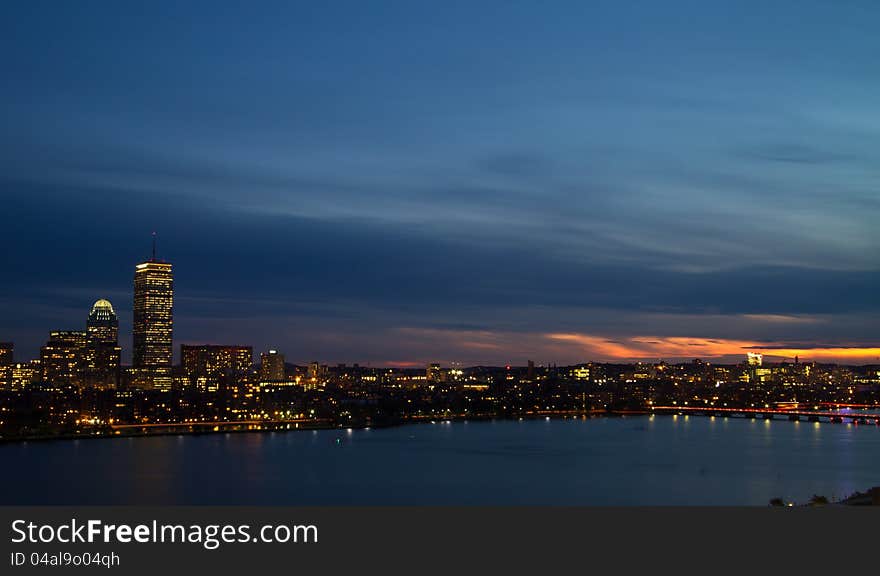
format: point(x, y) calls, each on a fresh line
point(102, 352)
point(754, 361)
point(152, 330)
point(272, 367)
point(61, 359)
point(316, 372)
point(433, 373)
point(25, 374)
point(208, 366)
point(6, 349)
point(581, 373)
point(103, 324)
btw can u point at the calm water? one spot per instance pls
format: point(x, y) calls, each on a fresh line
point(659, 460)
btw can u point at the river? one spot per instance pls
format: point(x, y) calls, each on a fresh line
point(649, 460)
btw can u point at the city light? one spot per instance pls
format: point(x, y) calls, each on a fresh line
point(79, 387)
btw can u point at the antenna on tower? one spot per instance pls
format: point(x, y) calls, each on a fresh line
point(154, 246)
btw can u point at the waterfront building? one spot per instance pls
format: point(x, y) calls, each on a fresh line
point(6, 353)
point(756, 374)
point(316, 376)
point(209, 367)
point(272, 367)
point(61, 359)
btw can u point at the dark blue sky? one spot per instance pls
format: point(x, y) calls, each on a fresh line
point(389, 182)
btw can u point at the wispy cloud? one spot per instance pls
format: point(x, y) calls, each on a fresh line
point(782, 318)
point(653, 347)
point(670, 190)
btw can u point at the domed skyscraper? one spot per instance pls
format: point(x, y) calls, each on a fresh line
point(103, 324)
point(102, 353)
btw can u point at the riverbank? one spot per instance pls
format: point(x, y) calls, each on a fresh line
point(263, 426)
point(200, 429)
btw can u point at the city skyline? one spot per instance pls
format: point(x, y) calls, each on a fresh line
point(153, 295)
point(475, 183)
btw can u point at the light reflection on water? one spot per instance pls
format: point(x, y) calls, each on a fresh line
point(656, 460)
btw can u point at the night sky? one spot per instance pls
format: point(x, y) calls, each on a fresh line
point(480, 182)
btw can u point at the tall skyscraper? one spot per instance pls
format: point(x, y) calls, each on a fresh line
point(103, 324)
point(102, 352)
point(272, 367)
point(152, 331)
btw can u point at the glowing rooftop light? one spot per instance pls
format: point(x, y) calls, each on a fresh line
point(102, 305)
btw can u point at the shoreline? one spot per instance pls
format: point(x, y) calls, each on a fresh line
point(285, 427)
point(191, 429)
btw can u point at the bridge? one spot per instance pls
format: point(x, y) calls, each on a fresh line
point(794, 414)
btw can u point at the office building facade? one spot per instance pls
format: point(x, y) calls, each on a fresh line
point(272, 367)
point(152, 349)
point(6, 364)
point(102, 354)
point(61, 359)
point(210, 367)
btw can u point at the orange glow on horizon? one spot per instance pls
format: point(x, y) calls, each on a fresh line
point(402, 364)
point(488, 347)
point(681, 347)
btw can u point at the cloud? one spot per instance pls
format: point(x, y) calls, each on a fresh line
point(795, 154)
point(677, 348)
point(782, 318)
point(629, 174)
